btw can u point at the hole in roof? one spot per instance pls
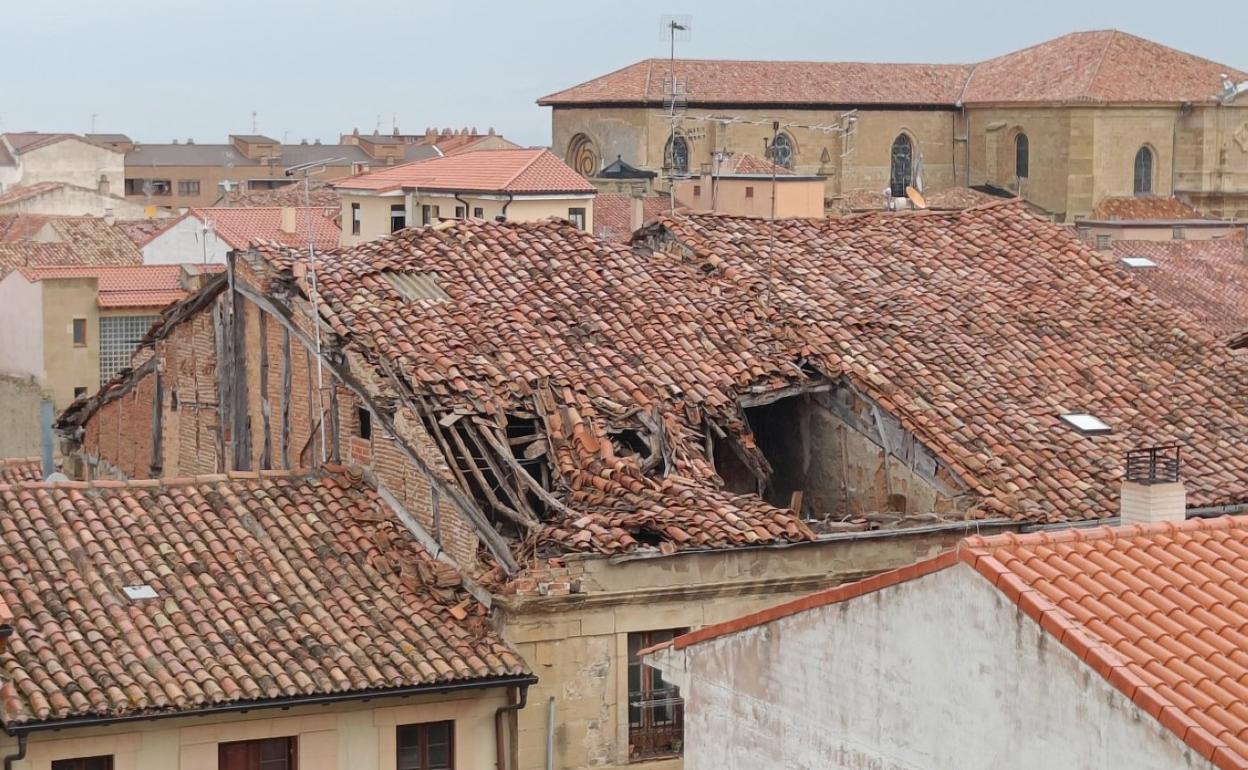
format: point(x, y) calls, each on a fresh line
point(1136, 263)
point(139, 592)
point(416, 286)
point(1085, 423)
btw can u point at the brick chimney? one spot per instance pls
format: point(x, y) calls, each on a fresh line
point(1152, 491)
point(290, 220)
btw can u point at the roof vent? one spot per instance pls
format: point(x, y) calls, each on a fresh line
point(1151, 490)
point(135, 593)
point(1085, 423)
point(1137, 263)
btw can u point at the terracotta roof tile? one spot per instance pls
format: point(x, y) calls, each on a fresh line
point(320, 195)
point(1138, 208)
point(240, 226)
point(534, 171)
point(267, 587)
point(130, 286)
point(1208, 279)
point(73, 241)
point(1097, 66)
point(15, 470)
point(948, 199)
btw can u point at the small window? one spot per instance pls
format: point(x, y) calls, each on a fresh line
point(398, 217)
point(749, 192)
point(478, 212)
point(425, 746)
point(356, 219)
point(780, 151)
point(426, 215)
point(1102, 242)
point(577, 217)
point(901, 172)
point(1144, 171)
point(1022, 156)
point(188, 187)
point(1085, 423)
point(80, 391)
point(267, 754)
point(364, 419)
point(1179, 234)
point(656, 715)
point(697, 190)
point(103, 762)
point(460, 212)
point(80, 332)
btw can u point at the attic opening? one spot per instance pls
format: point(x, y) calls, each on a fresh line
point(831, 453)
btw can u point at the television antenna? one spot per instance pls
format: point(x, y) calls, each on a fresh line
point(675, 91)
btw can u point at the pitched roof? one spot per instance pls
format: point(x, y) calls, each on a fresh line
point(266, 588)
point(75, 240)
point(527, 171)
point(15, 470)
point(876, 200)
point(613, 214)
point(980, 329)
point(25, 141)
point(745, 164)
point(240, 226)
point(1139, 208)
point(1207, 278)
point(143, 231)
point(129, 286)
point(1157, 610)
point(1096, 66)
point(320, 195)
point(727, 83)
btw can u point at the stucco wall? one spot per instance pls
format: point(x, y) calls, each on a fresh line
point(375, 210)
point(939, 672)
point(74, 202)
point(346, 737)
point(752, 196)
point(21, 328)
point(73, 161)
point(20, 398)
point(185, 242)
point(67, 365)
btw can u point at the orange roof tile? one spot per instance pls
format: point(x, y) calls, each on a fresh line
point(1208, 279)
point(14, 470)
point(248, 607)
point(1158, 610)
point(240, 226)
point(1097, 66)
point(529, 171)
point(1138, 208)
point(131, 286)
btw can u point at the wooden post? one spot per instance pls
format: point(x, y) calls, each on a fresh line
point(157, 411)
point(285, 398)
point(266, 447)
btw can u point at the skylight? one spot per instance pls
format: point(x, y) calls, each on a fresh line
point(1137, 262)
point(1085, 423)
point(139, 592)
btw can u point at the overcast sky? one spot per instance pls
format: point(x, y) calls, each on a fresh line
point(160, 69)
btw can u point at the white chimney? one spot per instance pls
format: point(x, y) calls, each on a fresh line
point(636, 211)
point(290, 219)
point(1152, 491)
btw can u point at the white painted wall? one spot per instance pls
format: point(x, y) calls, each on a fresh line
point(21, 328)
point(185, 243)
point(75, 202)
point(939, 673)
point(74, 161)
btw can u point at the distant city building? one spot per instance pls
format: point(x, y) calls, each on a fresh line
point(516, 184)
point(1065, 124)
point(745, 184)
point(31, 157)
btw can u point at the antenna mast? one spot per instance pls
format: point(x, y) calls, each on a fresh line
point(675, 94)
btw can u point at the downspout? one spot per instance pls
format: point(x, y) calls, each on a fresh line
point(467, 210)
point(18, 755)
point(510, 197)
point(500, 750)
point(550, 733)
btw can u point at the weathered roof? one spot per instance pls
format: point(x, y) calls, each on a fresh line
point(239, 226)
point(1206, 278)
point(526, 171)
point(1143, 207)
point(979, 330)
point(1098, 66)
point(264, 588)
point(63, 241)
point(1158, 610)
point(319, 194)
point(613, 214)
point(15, 470)
point(130, 286)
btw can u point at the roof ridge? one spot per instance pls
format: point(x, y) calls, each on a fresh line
point(1104, 532)
point(523, 168)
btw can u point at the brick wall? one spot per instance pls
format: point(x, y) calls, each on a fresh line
point(119, 434)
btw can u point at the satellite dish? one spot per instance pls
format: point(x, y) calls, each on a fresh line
point(916, 197)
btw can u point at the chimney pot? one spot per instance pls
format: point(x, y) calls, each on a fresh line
point(290, 220)
point(1152, 490)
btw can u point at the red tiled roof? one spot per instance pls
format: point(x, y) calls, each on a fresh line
point(78, 241)
point(25, 141)
point(143, 231)
point(320, 195)
point(15, 470)
point(20, 227)
point(613, 214)
point(745, 163)
point(1208, 279)
point(948, 199)
point(1140, 208)
point(267, 588)
point(1158, 610)
point(724, 82)
point(979, 329)
point(130, 286)
point(240, 226)
point(1097, 66)
point(530, 171)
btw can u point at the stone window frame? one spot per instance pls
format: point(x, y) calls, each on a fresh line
point(1022, 154)
point(583, 155)
point(1148, 187)
point(892, 159)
